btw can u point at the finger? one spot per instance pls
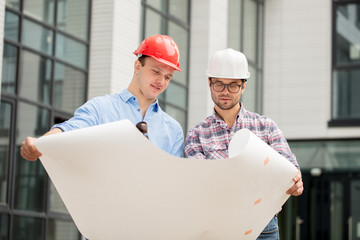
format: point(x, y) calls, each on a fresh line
point(296, 189)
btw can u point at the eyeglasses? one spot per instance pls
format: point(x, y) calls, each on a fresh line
point(232, 87)
point(142, 126)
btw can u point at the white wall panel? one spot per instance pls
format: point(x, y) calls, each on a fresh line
point(115, 34)
point(297, 68)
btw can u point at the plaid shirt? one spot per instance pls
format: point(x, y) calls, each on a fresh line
point(210, 139)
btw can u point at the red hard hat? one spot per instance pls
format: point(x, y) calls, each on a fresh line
point(162, 48)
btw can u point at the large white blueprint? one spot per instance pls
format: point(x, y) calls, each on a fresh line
point(117, 185)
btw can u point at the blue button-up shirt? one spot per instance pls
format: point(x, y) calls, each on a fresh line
point(163, 131)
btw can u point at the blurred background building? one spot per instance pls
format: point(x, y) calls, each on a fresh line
point(304, 59)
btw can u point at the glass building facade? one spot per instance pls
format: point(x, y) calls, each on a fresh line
point(245, 34)
point(44, 79)
point(171, 17)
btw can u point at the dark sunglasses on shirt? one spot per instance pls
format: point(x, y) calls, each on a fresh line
point(142, 126)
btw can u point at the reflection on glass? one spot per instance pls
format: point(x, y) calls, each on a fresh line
point(9, 69)
point(250, 94)
point(71, 51)
point(355, 208)
point(155, 24)
point(157, 4)
point(336, 218)
point(37, 37)
point(30, 182)
point(179, 8)
point(42, 10)
point(5, 128)
point(180, 36)
point(327, 155)
point(11, 26)
point(35, 77)
point(234, 24)
point(69, 88)
point(346, 97)
point(14, 4)
point(176, 95)
point(62, 230)
point(250, 27)
point(178, 114)
point(27, 228)
point(4, 223)
point(72, 17)
point(56, 204)
point(348, 33)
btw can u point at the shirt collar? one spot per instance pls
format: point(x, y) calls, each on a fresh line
point(127, 96)
point(240, 114)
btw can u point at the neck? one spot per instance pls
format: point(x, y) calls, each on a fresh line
point(228, 115)
point(143, 101)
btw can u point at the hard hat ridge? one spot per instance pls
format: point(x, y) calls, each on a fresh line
point(162, 48)
point(228, 63)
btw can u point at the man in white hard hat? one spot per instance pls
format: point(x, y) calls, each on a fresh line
point(227, 78)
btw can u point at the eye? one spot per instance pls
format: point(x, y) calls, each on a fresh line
point(219, 84)
point(233, 86)
point(156, 71)
point(167, 78)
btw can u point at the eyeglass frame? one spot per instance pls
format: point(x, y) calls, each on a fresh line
point(227, 86)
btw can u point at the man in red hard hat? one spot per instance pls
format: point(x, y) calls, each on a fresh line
point(158, 58)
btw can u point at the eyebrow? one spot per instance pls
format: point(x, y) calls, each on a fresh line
point(160, 70)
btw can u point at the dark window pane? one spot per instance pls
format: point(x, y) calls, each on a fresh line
point(234, 24)
point(9, 69)
point(348, 33)
point(5, 127)
point(30, 182)
point(4, 223)
point(14, 4)
point(71, 51)
point(35, 77)
point(155, 24)
point(176, 95)
point(72, 17)
point(27, 228)
point(69, 88)
point(157, 4)
point(180, 36)
point(179, 8)
point(37, 37)
point(346, 97)
point(11, 26)
point(56, 203)
point(250, 30)
point(42, 10)
point(62, 230)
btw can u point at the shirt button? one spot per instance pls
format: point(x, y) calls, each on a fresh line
point(138, 109)
point(134, 98)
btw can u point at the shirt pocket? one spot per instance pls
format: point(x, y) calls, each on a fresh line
point(215, 150)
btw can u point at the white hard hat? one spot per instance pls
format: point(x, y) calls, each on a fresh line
point(228, 63)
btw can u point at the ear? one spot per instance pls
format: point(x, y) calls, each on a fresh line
point(243, 87)
point(137, 66)
point(209, 82)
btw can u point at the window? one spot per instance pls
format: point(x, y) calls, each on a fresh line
point(44, 79)
point(245, 28)
point(346, 64)
point(171, 17)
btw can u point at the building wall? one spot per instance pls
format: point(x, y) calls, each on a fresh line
point(297, 69)
point(115, 34)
